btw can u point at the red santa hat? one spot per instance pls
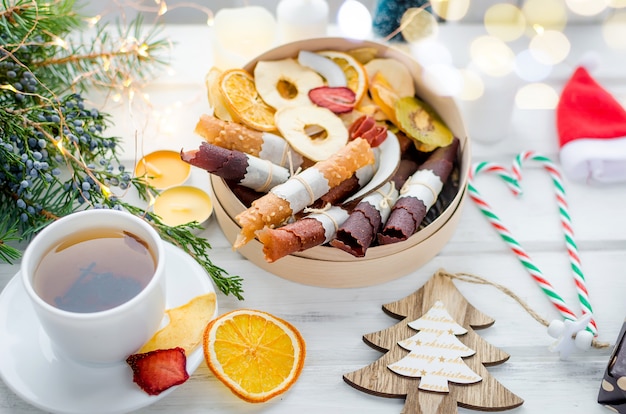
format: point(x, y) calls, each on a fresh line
point(591, 125)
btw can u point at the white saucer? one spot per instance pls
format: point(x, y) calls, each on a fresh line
point(30, 368)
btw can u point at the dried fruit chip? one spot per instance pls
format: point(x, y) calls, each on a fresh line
point(363, 54)
point(255, 354)
point(395, 73)
point(211, 81)
point(367, 128)
point(330, 71)
point(338, 99)
point(384, 96)
point(419, 121)
point(186, 325)
point(285, 82)
point(244, 102)
point(313, 131)
point(356, 76)
point(156, 371)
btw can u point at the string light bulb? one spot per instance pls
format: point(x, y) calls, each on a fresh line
point(162, 8)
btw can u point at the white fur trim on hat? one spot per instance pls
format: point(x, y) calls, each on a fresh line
point(592, 159)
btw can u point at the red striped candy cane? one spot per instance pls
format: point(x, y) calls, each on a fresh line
point(505, 234)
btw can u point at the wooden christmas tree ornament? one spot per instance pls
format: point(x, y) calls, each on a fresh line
point(433, 357)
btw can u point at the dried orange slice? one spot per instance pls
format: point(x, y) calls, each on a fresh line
point(384, 96)
point(356, 75)
point(255, 354)
point(244, 102)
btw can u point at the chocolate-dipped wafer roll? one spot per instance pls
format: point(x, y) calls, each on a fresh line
point(418, 194)
point(236, 166)
point(301, 190)
point(315, 229)
point(234, 136)
point(359, 231)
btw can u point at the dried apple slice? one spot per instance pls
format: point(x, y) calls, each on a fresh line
point(396, 74)
point(285, 82)
point(330, 135)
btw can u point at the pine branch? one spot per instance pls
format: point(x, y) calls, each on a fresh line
point(55, 156)
point(9, 253)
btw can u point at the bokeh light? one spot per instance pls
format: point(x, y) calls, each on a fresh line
point(473, 86)
point(536, 96)
point(492, 56)
point(418, 24)
point(450, 10)
point(354, 20)
point(545, 14)
point(430, 52)
point(443, 79)
point(587, 7)
point(530, 69)
point(505, 21)
point(614, 30)
point(549, 47)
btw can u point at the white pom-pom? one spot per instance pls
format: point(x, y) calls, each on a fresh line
point(583, 340)
point(555, 329)
point(590, 60)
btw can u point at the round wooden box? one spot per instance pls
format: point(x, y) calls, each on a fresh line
point(327, 266)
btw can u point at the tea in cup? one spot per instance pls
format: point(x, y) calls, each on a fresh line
point(96, 280)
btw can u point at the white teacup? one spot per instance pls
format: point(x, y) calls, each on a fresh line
point(87, 335)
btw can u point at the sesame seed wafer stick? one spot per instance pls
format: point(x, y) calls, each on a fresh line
point(302, 189)
point(234, 136)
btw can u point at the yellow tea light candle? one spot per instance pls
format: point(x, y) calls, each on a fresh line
point(182, 205)
point(163, 169)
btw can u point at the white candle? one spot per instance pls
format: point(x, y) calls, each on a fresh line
point(240, 34)
point(489, 116)
point(182, 205)
point(163, 169)
point(302, 19)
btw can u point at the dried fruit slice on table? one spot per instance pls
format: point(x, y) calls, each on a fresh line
point(158, 370)
point(255, 354)
point(186, 325)
point(356, 76)
point(239, 92)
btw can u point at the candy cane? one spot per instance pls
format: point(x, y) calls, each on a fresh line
point(566, 226)
point(505, 234)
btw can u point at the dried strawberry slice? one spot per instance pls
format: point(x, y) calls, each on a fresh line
point(158, 370)
point(338, 99)
point(367, 128)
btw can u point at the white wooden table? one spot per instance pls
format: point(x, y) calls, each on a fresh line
point(333, 321)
